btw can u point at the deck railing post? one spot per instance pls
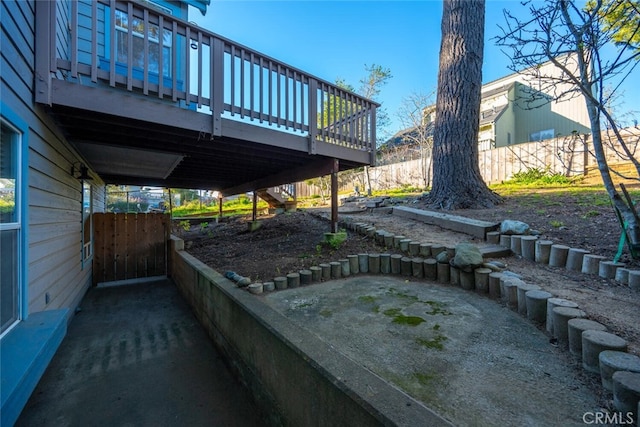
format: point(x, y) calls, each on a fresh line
point(313, 114)
point(45, 49)
point(217, 90)
point(276, 93)
point(372, 141)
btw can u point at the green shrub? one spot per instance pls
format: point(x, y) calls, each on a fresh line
point(335, 240)
point(535, 176)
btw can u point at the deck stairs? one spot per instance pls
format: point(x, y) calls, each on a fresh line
point(280, 197)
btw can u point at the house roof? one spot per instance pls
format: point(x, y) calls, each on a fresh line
point(408, 136)
point(497, 90)
point(490, 116)
point(201, 5)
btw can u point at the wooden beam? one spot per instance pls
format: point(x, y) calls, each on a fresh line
point(44, 49)
point(254, 213)
point(123, 104)
point(319, 167)
point(334, 196)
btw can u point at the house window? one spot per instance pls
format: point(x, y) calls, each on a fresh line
point(542, 135)
point(10, 226)
point(87, 222)
point(135, 28)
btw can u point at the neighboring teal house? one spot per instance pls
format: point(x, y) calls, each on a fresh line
point(515, 109)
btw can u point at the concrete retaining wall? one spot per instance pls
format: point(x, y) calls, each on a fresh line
point(297, 378)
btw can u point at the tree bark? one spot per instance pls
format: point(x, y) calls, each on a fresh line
point(457, 182)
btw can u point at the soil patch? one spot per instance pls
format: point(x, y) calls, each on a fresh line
point(293, 241)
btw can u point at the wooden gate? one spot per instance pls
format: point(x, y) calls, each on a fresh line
point(129, 246)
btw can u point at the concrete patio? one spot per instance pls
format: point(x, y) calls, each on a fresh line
point(136, 355)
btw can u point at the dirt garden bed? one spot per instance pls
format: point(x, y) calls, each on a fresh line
point(290, 242)
point(293, 241)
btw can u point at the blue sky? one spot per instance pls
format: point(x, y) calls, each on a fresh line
point(335, 39)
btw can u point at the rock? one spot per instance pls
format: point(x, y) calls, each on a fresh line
point(510, 226)
point(511, 274)
point(442, 257)
point(240, 280)
point(498, 264)
point(492, 266)
point(468, 257)
point(535, 232)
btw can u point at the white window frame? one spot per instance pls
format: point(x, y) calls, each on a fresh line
point(87, 244)
point(17, 225)
point(128, 28)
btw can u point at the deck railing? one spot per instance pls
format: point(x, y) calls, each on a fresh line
point(131, 47)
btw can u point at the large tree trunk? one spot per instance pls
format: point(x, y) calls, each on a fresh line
point(457, 182)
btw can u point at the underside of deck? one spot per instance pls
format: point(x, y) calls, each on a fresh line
point(127, 139)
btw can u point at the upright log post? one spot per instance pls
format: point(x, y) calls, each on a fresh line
point(334, 196)
point(254, 212)
point(220, 206)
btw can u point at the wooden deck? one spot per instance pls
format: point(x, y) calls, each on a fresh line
point(200, 112)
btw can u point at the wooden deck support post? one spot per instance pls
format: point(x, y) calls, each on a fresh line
point(334, 196)
point(254, 211)
point(220, 206)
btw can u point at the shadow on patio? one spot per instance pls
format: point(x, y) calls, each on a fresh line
point(136, 355)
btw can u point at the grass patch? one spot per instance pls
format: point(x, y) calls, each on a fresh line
point(535, 177)
point(403, 191)
point(590, 214)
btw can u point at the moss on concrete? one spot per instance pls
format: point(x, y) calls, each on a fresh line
point(435, 343)
point(401, 319)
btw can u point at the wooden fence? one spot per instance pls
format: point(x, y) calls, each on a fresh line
point(569, 156)
point(130, 246)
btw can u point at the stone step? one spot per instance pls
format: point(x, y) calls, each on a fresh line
point(460, 224)
point(494, 251)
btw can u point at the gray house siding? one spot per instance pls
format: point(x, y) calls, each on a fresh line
point(562, 116)
point(506, 123)
point(84, 30)
point(54, 196)
point(62, 28)
point(54, 277)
